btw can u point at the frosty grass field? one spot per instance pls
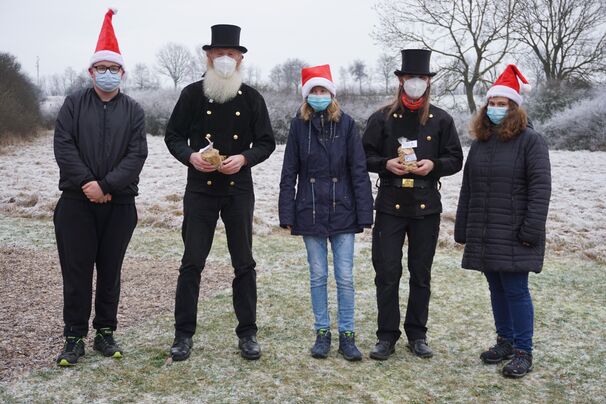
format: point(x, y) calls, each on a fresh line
point(569, 297)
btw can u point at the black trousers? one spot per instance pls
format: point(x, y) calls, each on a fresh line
point(201, 213)
point(88, 235)
point(388, 238)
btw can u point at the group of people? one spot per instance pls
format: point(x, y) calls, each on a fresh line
point(325, 196)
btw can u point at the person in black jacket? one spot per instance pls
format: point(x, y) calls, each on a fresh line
point(100, 148)
point(501, 215)
point(410, 143)
point(324, 158)
point(223, 114)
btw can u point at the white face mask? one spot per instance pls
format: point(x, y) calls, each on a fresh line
point(224, 66)
point(415, 87)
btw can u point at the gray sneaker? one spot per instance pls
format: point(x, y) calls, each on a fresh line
point(322, 346)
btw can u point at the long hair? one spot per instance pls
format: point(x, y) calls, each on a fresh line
point(396, 106)
point(516, 120)
point(334, 111)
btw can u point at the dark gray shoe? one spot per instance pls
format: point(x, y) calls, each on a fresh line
point(106, 344)
point(420, 348)
point(499, 352)
point(321, 348)
point(249, 347)
point(181, 348)
point(382, 350)
point(73, 349)
point(520, 365)
point(347, 346)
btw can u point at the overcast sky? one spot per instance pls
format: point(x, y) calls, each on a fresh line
point(64, 33)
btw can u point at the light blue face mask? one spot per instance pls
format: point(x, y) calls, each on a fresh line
point(108, 81)
point(319, 102)
point(496, 114)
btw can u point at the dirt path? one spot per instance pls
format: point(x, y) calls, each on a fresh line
point(32, 303)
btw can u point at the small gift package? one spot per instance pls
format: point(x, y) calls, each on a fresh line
point(406, 153)
point(211, 155)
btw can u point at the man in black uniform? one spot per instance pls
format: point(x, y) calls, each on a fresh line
point(223, 112)
point(408, 202)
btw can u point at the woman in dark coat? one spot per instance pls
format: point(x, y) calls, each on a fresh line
point(408, 202)
point(501, 216)
point(333, 201)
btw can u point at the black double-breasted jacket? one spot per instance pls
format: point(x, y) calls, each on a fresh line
point(437, 141)
point(238, 126)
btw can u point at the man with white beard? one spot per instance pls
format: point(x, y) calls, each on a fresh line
point(221, 112)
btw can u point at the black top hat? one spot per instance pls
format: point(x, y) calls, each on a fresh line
point(416, 62)
point(225, 36)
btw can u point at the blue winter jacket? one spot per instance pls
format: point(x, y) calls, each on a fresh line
point(326, 162)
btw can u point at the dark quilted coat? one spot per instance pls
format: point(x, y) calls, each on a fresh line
point(503, 204)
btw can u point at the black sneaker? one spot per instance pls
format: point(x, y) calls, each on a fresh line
point(420, 348)
point(382, 350)
point(347, 346)
point(249, 347)
point(105, 343)
point(181, 348)
point(322, 346)
point(499, 352)
point(520, 365)
point(73, 349)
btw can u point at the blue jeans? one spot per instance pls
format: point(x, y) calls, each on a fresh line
point(317, 257)
point(512, 307)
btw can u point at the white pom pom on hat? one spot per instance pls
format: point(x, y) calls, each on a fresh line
point(508, 85)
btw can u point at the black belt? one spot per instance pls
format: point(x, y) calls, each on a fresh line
point(407, 183)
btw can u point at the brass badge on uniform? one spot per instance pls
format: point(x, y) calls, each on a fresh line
point(406, 153)
point(211, 155)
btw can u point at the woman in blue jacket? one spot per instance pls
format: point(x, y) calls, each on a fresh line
point(324, 158)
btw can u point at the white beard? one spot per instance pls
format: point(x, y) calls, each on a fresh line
point(220, 89)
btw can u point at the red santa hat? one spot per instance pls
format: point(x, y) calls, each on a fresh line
point(107, 45)
point(507, 85)
point(317, 76)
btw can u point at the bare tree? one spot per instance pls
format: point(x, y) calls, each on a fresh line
point(276, 77)
point(344, 80)
point(358, 72)
point(386, 65)
point(175, 62)
point(568, 37)
point(471, 36)
point(291, 71)
point(143, 78)
point(253, 74)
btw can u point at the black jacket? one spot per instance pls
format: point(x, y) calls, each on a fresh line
point(239, 126)
point(503, 202)
point(102, 141)
point(437, 140)
point(327, 163)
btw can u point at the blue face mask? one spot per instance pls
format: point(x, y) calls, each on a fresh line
point(496, 114)
point(108, 81)
point(319, 102)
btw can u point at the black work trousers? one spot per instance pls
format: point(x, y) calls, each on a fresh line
point(91, 235)
point(201, 212)
point(388, 238)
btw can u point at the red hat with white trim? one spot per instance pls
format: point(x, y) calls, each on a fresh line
point(107, 45)
point(317, 76)
point(507, 85)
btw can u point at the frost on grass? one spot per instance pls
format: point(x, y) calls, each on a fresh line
point(29, 178)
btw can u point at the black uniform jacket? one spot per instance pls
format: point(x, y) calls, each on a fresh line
point(238, 126)
point(100, 141)
point(437, 141)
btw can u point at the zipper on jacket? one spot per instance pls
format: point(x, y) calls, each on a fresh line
point(313, 200)
point(334, 194)
point(490, 160)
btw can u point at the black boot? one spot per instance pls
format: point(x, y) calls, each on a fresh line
point(420, 348)
point(322, 346)
point(347, 346)
point(73, 349)
point(249, 347)
point(520, 365)
point(382, 350)
point(181, 348)
point(105, 343)
point(499, 352)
